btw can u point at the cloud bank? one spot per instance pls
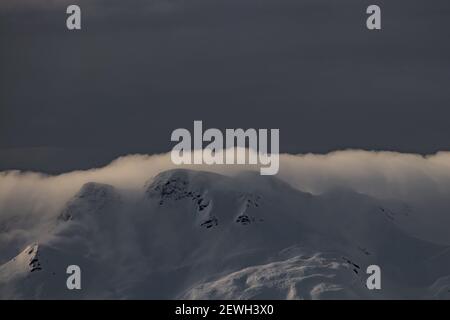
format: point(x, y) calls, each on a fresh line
point(29, 199)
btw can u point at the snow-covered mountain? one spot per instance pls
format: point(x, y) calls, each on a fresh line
point(200, 235)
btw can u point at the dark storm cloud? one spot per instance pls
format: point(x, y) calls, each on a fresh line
point(139, 69)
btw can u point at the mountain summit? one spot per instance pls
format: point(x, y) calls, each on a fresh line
point(193, 234)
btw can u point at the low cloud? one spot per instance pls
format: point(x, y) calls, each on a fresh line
point(28, 199)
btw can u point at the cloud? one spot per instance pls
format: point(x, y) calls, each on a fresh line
point(409, 177)
point(379, 174)
point(421, 182)
point(29, 200)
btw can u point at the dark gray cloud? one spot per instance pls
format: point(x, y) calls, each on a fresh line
point(139, 69)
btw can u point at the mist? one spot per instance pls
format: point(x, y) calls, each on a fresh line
point(29, 200)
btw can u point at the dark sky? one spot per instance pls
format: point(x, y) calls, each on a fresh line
point(140, 69)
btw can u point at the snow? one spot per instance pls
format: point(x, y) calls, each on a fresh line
point(201, 235)
point(316, 276)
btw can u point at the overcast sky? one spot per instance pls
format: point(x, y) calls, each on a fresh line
point(140, 69)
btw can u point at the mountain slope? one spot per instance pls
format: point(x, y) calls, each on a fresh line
point(192, 234)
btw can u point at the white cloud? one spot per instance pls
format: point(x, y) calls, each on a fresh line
point(379, 174)
point(30, 199)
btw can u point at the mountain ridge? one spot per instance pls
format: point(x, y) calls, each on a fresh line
point(194, 234)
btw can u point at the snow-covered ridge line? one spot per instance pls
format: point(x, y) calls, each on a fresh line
point(197, 234)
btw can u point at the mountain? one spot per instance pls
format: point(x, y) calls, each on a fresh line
point(201, 235)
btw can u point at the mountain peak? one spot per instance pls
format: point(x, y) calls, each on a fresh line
point(182, 184)
point(91, 198)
